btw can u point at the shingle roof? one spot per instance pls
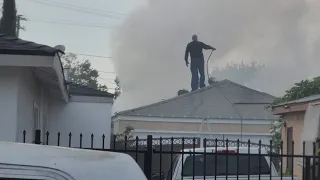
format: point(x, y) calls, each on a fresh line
point(224, 100)
point(302, 100)
point(16, 46)
point(80, 90)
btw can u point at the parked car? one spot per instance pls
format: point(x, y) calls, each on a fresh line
point(224, 163)
point(30, 161)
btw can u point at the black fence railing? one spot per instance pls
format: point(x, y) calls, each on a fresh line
point(179, 158)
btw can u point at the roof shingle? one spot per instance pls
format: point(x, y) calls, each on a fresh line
point(80, 90)
point(16, 46)
point(224, 100)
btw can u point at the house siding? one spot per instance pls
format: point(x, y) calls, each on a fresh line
point(80, 117)
point(176, 129)
point(8, 103)
point(28, 94)
point(295, 121)
point(173, 126)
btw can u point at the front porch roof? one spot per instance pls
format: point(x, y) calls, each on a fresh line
point(295, 106)
point(44, 60)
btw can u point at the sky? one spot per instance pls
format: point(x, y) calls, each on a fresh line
point(147, 43)
point(48, 19)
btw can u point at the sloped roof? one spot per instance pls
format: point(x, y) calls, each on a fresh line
point(301, 100)
point(80, 90)
point(224, 100)
point(16, 46)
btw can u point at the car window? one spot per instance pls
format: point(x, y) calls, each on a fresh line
point(174, 165)
point(226, 165)
point(1, 178)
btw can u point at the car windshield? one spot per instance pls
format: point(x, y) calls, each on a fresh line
point(226, 165)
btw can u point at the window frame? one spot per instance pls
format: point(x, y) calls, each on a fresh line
point(26, 172)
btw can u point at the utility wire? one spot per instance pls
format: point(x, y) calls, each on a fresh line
point(76, 8)
point(71, 24)
point(82, 7)
point(91, 55)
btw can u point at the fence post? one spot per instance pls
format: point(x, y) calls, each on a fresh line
point(37, 138)
point(148, 158)
point(307, 167)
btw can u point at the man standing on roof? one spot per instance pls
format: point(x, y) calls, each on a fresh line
point(197, 61)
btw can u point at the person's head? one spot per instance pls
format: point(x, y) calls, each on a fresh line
point(194, 38)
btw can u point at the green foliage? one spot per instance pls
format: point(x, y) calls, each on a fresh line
point(275, 132)
point(302, 89)
point(82, 72)
point(8, 22)
point(239, 73)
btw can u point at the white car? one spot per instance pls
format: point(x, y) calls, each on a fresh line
point(30, 161)
point(217, 167)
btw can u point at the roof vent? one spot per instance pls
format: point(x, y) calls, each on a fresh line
point(212, 80)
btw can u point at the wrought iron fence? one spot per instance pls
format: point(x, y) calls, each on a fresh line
point(178, 158)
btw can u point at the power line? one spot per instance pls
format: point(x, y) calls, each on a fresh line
point(86, 8)
point(71, 24)
point(107, 72)
point(76, 8)
point(91, 55)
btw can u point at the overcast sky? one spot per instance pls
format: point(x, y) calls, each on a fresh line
point(89, 32)
point(149, 40)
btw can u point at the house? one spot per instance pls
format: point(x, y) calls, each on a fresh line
point(300, 123)
point(225, 110)
point(34, 95)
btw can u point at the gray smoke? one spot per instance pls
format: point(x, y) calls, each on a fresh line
point(149, 47)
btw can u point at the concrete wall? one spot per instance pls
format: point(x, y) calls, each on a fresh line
point(294, 120)
point(8, 103)
point(80, 117)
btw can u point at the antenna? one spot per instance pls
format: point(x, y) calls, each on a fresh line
point(204, 121)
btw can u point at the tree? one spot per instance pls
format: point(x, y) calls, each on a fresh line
point(118, 89)
point(19, 26)
point(8, 22)
point(127, 133)
point(82, 72)
point(182, 91)
point(300, 90)
point(239, 73)
point(275, 132)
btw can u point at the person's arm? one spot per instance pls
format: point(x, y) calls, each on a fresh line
point(186, 55)
point(205, 46)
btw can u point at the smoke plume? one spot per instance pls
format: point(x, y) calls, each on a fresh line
point(149, 46)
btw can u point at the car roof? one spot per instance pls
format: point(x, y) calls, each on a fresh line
point(79, 163)
point(244, 150)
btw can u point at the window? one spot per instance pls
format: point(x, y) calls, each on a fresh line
point(289, 149)
point(36, 116)
point(17, 179)
point(218, 166)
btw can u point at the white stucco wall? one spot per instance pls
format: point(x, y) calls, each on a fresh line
point(8, 103)
point(80, 117)
point(28, 94)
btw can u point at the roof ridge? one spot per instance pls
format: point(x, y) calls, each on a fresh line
point(171, 99)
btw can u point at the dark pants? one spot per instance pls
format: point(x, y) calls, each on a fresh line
point(197, 67)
